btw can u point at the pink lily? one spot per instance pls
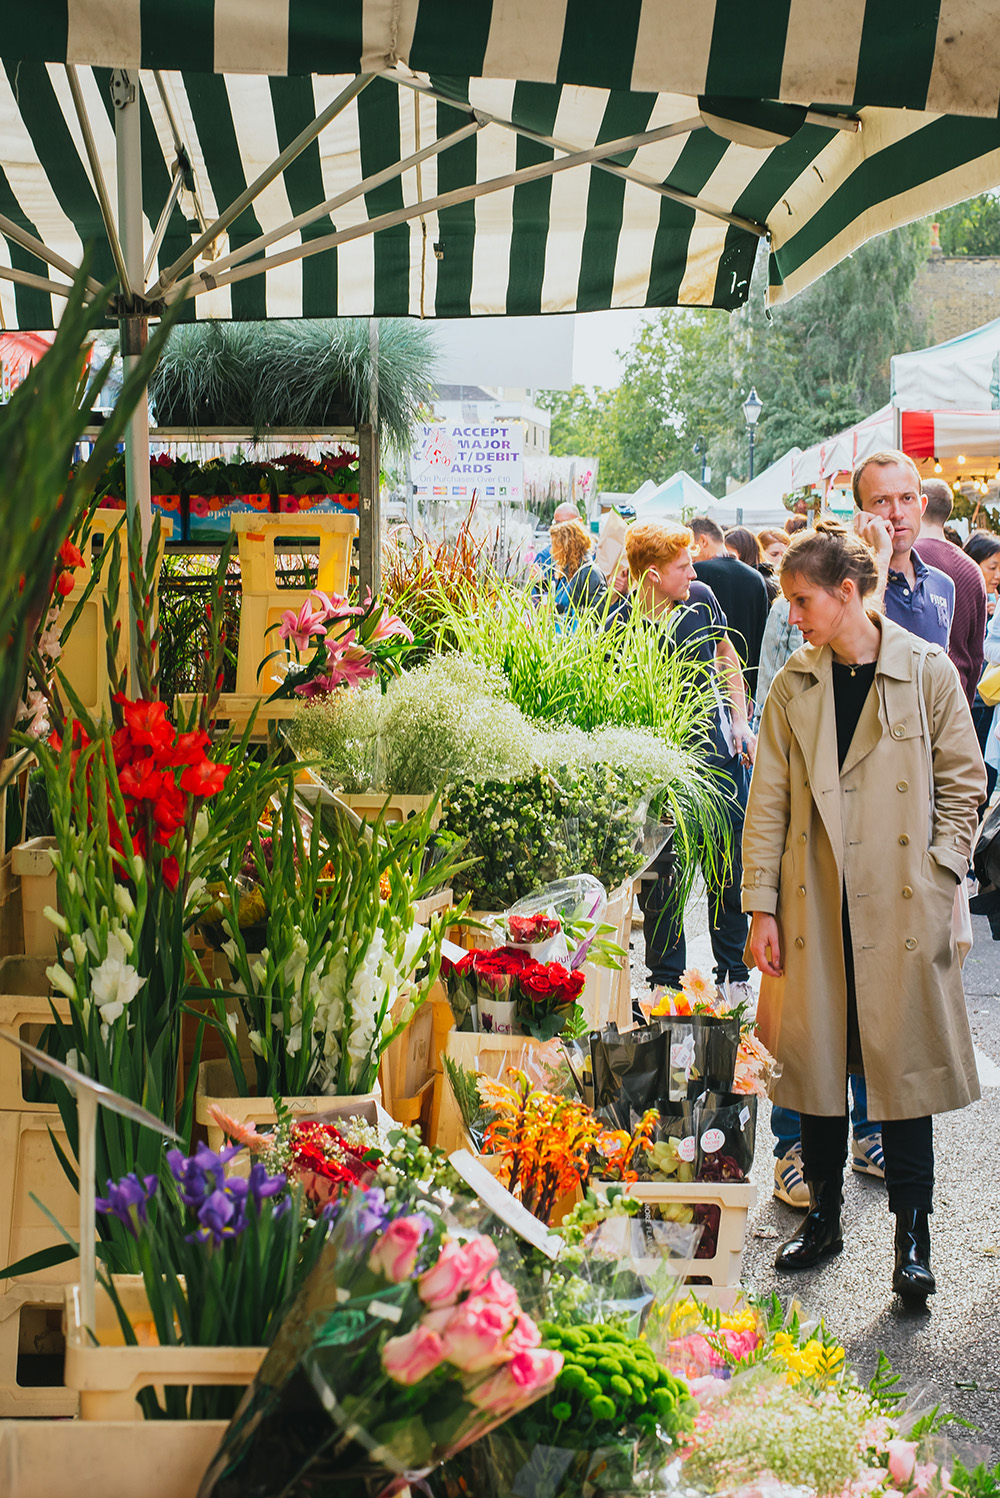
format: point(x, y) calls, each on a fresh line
point(300, 628)
point(389, 624)
point(334, 606)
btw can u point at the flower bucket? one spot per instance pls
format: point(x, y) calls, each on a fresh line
point(108, 1377)
point(31, 863)
point(215, 1086)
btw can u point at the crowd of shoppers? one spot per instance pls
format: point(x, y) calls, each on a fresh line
point(855, 653)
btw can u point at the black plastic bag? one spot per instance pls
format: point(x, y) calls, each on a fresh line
point(701, 1056)
point(726, 1132)
point(629, 1071)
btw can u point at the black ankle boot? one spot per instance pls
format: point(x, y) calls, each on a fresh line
point(912, 1275)
point(820, 1235)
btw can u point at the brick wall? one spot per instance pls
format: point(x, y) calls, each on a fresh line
point(957, 293)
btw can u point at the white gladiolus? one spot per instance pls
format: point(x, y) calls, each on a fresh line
point(60, 978)
point(123, 902)
point(74, 882)
point(256, 1044)
point(79, 946)
point(57, 920)
point(229, 948)
point(233, 1021)
point(114, 985)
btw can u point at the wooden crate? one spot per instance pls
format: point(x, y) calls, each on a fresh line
point(489, 1054)
point(32, 864)
point(411, 1065)
point(107, 1459)
point(32, 1347)
point(734, 1201)
point(215, 1085)
point(32, 1167)
point(107, 1378)
point(397, 808)
point(11, 918)
point(25, 1009)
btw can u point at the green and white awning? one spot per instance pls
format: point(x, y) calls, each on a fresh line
point(444, 158)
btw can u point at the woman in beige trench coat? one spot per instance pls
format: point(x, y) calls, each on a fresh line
point(852, 894)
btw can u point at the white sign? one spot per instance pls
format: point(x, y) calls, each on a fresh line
point(452, 458)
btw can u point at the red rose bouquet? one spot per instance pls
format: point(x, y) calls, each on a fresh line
point(547, 999)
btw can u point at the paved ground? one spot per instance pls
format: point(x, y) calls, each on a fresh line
point(950, 1354)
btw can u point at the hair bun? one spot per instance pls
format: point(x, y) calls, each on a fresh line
point(829, 525)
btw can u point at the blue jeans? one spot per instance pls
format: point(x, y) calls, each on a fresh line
point(785, 1123)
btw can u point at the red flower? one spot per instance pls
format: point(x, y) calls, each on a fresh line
point(171, 873)
point(502, 960)
point(65, 584)
point(204, 778)
point(70, 555)
point(146, 722)
point(189, 748)
point(141, 779)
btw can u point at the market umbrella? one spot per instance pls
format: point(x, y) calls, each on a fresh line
point(432, 158)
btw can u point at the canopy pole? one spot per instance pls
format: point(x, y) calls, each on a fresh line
point(134, 329)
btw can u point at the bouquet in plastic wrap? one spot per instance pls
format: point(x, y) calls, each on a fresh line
point(404, 1345)
point(505, 991)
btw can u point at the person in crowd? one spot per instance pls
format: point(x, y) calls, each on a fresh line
point(773, 544)
point(851, 895)
point(687, 614)
point(739, 589)
point(983, 548)
point(965, 644)
point(745, 545)
point(580, 584)
point(796, 523)
point(619, 587)
point(954, 536)
point(543, 561)
point(919, 597)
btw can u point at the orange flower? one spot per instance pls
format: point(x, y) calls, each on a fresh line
point(698, 988)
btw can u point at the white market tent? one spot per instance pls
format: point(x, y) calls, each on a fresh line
point(678, 498)
point(760, 502)
point(946, 401)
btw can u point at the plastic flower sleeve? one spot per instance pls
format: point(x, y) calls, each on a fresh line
point(726, 1131)
point(673, 1145)
point(629, 1072)
point(579, 900)
point(404, 1345)
point(702, 1053)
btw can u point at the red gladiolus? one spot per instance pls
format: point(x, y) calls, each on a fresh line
point(146, 721)
point(189, 748)
point(70, 555)
point(204, 778)
point(170, 870)
point(65, 584)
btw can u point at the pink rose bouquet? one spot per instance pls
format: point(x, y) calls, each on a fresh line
point(404, 1346)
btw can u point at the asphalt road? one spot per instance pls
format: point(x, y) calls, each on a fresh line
point(948, 1355)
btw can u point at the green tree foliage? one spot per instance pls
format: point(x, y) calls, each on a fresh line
point(818, 363)
point(970, 228)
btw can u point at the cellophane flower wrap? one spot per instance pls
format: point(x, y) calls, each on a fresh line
point(345, 965)
point(404, 1345)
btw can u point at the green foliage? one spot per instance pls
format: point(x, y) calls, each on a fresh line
point(970, 228)
point(307, 372)
point(39, 428)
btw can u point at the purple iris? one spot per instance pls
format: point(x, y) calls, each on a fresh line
point(261, 1185)
point(126, 1200)
point(200, 1174)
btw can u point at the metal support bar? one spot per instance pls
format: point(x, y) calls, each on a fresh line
point(37, 283)
point(368, 184)
point(206, 280)
point(34, 246)
point(369, 512)
point(287, 156)
point(161, 228)
point(97, 174)
point(179, 145)
point(662, 189)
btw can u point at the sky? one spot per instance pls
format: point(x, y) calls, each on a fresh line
point(596, 337)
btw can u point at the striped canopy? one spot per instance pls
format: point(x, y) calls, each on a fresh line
point(447, 158)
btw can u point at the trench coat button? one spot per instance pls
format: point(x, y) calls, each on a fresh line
point(907, 892)
point(799, 942)
point(909, 944)
point(802, 889)
point(898, 731)
point(802, 837)
point(902, 785)
point(903, 840)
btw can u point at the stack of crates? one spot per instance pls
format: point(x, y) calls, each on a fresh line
point(31, 1308)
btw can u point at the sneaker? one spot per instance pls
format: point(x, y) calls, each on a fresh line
point(866, 1155)
point(743, 993)
point(789, 1183)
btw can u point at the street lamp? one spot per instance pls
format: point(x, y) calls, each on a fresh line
point(700, 450)
point(752, 407)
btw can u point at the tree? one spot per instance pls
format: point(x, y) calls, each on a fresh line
point(970, 228)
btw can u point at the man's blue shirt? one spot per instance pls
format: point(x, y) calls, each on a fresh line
point(927, 608)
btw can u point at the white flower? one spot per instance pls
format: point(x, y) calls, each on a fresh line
point(123, 902)
point(79, 946)
point(229, 947)
point(256, 1044)
point(114, 985)
point(195, 893)
point(201, 825)
point(233, 1021)
point(60, 978)
point(57, 920)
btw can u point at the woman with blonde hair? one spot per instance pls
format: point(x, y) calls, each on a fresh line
point(580, 582)
point(860, 819)
point(773, 544)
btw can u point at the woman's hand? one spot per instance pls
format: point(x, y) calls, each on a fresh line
point(764, 944)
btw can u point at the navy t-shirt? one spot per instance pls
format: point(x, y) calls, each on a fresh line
point(696, 627)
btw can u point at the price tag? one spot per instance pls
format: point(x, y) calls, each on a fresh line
point(744, 1117)
point(687, 1148)
point(712, 1140)
point(383, 1311)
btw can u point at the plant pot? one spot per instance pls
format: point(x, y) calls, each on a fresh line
point(108, 1377)
point(215, 1086)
